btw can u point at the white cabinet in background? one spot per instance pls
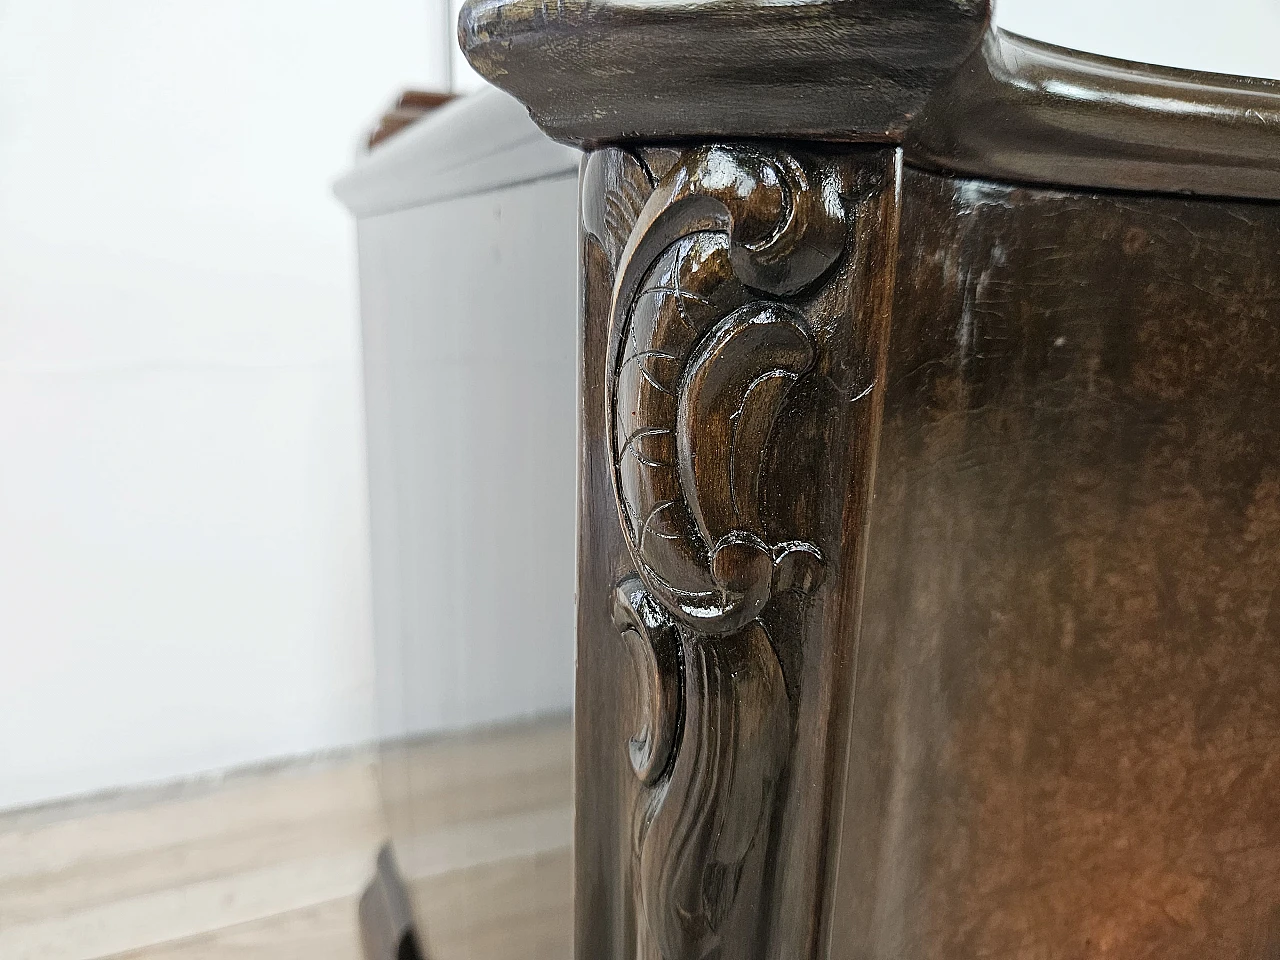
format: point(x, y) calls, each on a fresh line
point(468, 248)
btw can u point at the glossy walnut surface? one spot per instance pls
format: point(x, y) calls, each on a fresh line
point(1035, 698)
point(932, 75)
point(1066, 737)
point(722, 841)
point(601, 71)
point(928, 520)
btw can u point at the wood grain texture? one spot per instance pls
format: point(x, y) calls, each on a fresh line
point(321, 932)
point(478, 801)
point(512, 909)
point(82, 887)
point(1069, 667)
point(1043, 422)
point(733, 326)
point(1027, 111)
point(932, 75)
point(704, 353)
point(269, 864)
point(598, 71)
point(1066, 736)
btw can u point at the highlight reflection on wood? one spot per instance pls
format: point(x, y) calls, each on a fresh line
point(929, 520)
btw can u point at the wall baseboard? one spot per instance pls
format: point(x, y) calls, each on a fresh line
point(130, 796)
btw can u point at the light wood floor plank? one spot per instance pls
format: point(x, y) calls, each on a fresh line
point(332, 815)
point(518, 909)
point(181, 912)
point(268, 865)
point(326, 931)
point(256, 805)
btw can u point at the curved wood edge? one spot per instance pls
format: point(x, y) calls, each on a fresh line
point(1023, 110)
point(931, 75)
point(600, 71)
point(712, 833)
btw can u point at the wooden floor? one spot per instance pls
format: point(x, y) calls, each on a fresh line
point(269, 864)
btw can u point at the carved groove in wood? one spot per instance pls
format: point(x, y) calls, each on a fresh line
point(706, 349)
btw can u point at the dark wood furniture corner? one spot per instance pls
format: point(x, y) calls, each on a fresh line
point(930, 484)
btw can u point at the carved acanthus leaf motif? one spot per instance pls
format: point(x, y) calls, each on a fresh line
point(701, 366)
point(705, 350)
point(654, 645)
point(617, 184)
point(700, 832)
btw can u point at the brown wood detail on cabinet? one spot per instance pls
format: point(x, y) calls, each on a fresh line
point(1031, 111)
point(704, 353)
point(738, 378)
point(410, 107)
point(387, 930)
point(602, 71)
point(655, 643)
point(1066, 737)
point(931, 75)
point(710, 757)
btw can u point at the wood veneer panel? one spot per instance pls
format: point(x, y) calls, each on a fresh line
point(1066, 736)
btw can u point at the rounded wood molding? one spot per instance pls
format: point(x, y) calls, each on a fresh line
point(931, 75)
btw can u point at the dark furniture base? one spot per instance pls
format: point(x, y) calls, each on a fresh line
point(386, 920)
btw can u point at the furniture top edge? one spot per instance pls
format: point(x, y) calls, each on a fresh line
point(933, 76)
point(595, 71)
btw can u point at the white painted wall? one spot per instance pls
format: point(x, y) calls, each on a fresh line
point(183, 552)
point(183, 559)
point(1229, 36)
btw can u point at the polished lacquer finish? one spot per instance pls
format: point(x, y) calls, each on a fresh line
point(600, 71)
point(1029, 111)
point(735, 295)
point(1066, 734)
point(928, 521)
point(931, 75)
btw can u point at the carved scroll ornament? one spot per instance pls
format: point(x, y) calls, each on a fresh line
point(707, 343)
point(701, 364)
